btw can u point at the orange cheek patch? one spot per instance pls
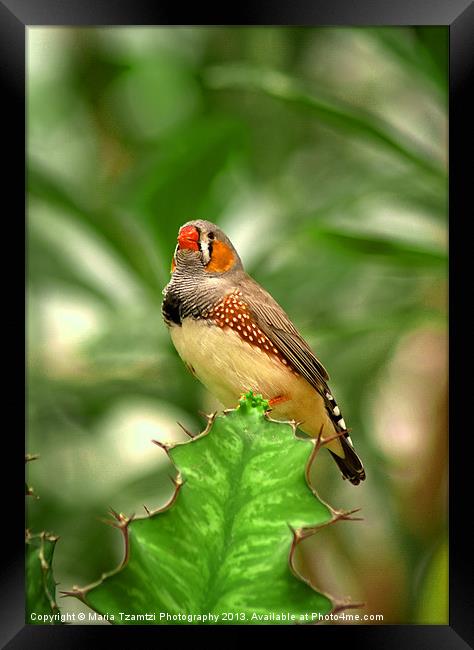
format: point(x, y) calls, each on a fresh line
point(222, 258)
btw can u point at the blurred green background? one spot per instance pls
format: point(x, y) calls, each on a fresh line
point(322, 154)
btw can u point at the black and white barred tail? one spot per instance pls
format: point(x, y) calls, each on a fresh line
point(351, 466)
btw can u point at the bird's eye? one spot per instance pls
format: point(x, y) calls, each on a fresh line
point(211, 236)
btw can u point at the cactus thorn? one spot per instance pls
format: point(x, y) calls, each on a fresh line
point(346, 515)
point(341, 605)
point(176, 480)
point(162, 445)
point(294, 424)
point(188, 433)
point(298, 533)
point(114, 513)
point(74, 592)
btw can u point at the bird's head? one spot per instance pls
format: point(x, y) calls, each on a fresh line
point(203, 245)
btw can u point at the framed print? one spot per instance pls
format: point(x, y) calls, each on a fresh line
point(238, 290)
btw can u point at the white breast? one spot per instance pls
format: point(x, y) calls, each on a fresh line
point(229, 366)
point(225, 364)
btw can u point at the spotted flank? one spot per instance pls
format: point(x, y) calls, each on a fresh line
point(232, 312)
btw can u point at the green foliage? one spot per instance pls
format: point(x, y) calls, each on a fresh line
point(335, 114)
point(384, 250)
point(433, 602)
point(40, 583)
point(192, 158)
point(222, 544)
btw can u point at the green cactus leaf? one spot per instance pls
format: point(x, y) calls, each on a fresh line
point(41, 606)
point(225, 542)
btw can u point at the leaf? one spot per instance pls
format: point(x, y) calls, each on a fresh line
point(387, 251)
point(435, 40)
point(139, 220)
point(49, 266)
point(433, 606)
point(336, 114)
point(40, 583)
point(225, 542)
point(172, 186)
point(119, 233)
point(423, 51)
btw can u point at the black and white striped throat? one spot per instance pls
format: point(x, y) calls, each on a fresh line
point(206, 250)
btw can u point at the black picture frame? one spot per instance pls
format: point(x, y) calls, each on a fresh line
point(15, 17)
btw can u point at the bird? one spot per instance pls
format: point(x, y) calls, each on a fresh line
point(234, 337)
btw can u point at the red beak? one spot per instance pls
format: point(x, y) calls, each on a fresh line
point(188, 237)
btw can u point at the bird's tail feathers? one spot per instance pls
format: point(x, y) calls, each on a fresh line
point(351, 466)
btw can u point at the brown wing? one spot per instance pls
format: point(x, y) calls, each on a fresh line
point(274, 322)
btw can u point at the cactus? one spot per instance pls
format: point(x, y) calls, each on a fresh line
point(41, 606)
point(222, 549)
